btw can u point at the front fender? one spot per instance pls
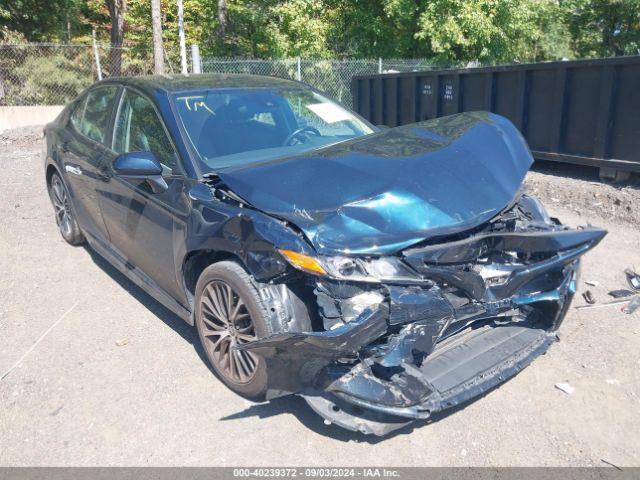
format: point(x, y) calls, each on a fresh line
point(254, 237)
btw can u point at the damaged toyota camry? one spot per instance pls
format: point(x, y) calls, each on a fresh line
point(382, 274)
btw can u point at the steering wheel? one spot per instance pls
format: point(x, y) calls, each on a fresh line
point(289, 139)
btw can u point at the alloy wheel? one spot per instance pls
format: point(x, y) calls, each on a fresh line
point(225, 323)
point(61, 206)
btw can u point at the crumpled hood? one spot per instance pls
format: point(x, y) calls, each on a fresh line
point(386, 191)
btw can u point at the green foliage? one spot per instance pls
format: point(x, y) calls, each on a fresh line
point(49, 80)
point(490, 30)
point(304, 27)
point(251, 32)
point(449, 32)
point(550, 40)
point(10, 36)
point(368, 29)
point(39, 20)
point(603, 27)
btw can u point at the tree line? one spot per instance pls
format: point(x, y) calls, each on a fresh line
point(444, 31)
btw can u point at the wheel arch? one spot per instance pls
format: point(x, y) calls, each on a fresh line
point(196, 261)
point(248, 238)
point(51, 168)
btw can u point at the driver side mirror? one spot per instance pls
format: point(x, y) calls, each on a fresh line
point(143, 166)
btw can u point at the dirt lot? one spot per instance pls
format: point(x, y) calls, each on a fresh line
point(77, 398)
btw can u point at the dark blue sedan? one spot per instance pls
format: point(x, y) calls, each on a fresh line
point(382, 274)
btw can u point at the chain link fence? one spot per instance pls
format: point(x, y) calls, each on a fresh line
point(44, 74)
point(331, 76)
point(53, 74)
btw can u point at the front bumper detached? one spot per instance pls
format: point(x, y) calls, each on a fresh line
point(419, 351)
point(454, 373)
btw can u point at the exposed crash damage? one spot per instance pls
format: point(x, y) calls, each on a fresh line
point(383, 275)
point(425, 275)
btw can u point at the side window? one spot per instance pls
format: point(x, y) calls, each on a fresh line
point(76, 114)
point(97, 113)
point(138, 128)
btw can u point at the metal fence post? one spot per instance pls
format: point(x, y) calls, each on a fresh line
point(96, 55)
point(380, 65)
point(196, 65)
point(183, 46)
point(299, 75)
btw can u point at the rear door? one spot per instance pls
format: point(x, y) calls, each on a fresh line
point(145, 228)
point(83, 144)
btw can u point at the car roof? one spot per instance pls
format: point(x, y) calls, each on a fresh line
point(152, 84)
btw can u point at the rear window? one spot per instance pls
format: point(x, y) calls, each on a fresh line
point(77, 113)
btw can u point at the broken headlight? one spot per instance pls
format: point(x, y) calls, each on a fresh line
point(355, 269)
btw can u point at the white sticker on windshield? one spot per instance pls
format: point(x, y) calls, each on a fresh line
point(329, 112)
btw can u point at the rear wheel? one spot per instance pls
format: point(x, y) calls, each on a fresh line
point(65, 218)
point(229, 312)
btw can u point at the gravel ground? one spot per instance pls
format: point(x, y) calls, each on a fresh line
point(119, 380)
point(579, 189)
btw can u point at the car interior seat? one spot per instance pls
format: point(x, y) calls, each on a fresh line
point(234, 129)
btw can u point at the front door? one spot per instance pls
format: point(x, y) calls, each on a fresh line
point(146, 228)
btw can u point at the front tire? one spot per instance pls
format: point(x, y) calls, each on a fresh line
point(65, 218)
point(229, 311)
